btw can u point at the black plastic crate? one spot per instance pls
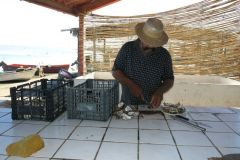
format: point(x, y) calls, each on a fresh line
point(94, 99)
point(39, 100)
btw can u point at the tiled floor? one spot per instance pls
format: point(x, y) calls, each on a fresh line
point(153, 137)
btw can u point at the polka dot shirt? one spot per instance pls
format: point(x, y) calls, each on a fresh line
point(148, 72)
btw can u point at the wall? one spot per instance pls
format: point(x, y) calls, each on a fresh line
point(193, 90)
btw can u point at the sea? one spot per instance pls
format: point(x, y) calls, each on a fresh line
point(37, 55)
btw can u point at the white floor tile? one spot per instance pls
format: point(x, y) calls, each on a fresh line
point(35, 122)
point(119, 123)
point(155, 137)
point(50, 147)
point(197, 153)
point(212, 110)
point(3, 114)
point(225, 151)
point(5, 141)
point(180, 126)
point(158, 152)
point(5, 110)
point(229, 117)
point(193, 109)
point(61, 132)
point(121, 135)
point(2, 157)
point(94, 123)
point(117, 151)
point(234, 125)
point(153, 124)
point(224, 139)
point(153, 133)
point(215, 126)
point(88, 133)
point(171, 117)
point(235, 109)
point(63, 120)
point(191, 138)
point(5, 126)
point(28, 158)
point(8, 118)
point(219, 110)
point(168, 117)
point(71, 149)
point(24, 130)
point(153, 116)
point(204, 117)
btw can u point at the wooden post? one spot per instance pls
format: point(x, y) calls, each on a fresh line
point(81, 45)
point(94, 48)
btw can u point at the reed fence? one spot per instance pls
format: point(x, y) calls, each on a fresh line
point(204, 38)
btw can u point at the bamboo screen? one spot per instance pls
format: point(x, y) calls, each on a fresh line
point(204, 38)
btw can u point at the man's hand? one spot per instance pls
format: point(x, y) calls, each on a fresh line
point(157, 97)
point(133, 87)
point(156, 100)
point(136, 90)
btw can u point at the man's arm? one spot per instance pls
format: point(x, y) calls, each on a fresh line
point(124, 80)
point(158, 94)
point(168, 81)
point(166, 86)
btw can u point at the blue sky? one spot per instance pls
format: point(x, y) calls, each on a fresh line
point(32, 34)
point(28, 30)
point(23, 23)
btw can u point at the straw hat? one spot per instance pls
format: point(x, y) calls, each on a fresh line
point(151, 32)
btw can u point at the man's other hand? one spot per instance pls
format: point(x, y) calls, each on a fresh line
point(156, 100)
point(136, 91)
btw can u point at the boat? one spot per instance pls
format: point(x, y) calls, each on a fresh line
point(20, 74)
point(54, 68)
point(13, 67)
point(46, 68)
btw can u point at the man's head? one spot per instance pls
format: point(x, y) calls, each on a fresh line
point(151, 32)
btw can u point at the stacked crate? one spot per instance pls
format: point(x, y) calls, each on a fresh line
point(93, 99)
point(39, 100)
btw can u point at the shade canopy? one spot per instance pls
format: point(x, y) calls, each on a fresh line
point(73, 7)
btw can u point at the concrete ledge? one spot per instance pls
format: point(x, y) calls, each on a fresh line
point(193, 90)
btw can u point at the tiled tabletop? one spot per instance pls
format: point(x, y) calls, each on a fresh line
point(153, 137)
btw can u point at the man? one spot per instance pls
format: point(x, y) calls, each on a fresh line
point(144, 67)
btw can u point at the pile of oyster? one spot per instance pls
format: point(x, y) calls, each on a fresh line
point(130, 111)
point(173, 109)
point(126, 111)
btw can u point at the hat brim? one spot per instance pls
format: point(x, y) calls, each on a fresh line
point(153, 42)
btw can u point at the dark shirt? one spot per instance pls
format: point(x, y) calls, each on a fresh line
point(148, 72)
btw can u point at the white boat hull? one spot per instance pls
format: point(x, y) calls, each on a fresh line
point(17, 76)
